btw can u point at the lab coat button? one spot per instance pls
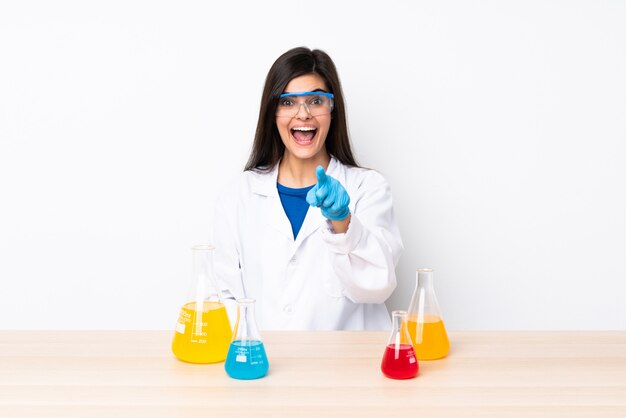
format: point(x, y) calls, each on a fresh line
point(288, 308)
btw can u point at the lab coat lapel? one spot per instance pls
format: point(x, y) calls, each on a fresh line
point(272, 208)
point(265, 184)
point(312, 221)
point(276, 216)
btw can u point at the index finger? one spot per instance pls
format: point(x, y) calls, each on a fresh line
point(321, 174)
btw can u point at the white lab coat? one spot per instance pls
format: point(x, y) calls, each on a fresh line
point(322, 280)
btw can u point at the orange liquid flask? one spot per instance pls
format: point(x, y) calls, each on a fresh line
point(203, 332)
point(425, 323)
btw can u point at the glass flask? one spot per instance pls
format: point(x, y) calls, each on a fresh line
point(203, 331)
point(425, 322)
point(399, 360)
point(246, 355)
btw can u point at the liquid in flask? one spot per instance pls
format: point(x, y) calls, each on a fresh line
point(203, 331)
point(425, 322)
point(399, 360)
point(246, 356)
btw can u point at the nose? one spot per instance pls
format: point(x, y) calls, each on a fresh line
point(303, 114)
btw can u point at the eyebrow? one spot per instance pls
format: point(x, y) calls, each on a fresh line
point(312, 91)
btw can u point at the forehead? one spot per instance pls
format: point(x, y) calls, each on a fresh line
point(308, 82)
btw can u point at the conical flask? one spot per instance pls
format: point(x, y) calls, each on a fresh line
point(203, 331)
point(246, 355)
point(426, 327)
point(399, 361)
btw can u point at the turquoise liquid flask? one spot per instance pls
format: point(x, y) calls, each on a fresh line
point(246, 357)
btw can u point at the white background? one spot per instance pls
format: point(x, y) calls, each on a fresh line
point(500, 125)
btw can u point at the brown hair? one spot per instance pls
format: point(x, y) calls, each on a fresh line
point(268, 148)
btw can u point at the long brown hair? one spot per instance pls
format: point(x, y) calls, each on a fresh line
point(268, 148)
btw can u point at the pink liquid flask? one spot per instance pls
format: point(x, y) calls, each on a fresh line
point(399, 360)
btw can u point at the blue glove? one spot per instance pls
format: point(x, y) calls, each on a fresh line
point(329, 195)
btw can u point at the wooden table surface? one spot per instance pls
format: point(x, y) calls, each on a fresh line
point(313, 374)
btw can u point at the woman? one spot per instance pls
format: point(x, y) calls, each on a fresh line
point(305, 231)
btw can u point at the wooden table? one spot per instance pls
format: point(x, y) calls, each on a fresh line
point(117, 374)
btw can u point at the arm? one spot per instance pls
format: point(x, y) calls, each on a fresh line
point(226, 240)
point(365, 256)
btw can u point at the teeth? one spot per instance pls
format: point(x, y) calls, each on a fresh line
point(303, 128)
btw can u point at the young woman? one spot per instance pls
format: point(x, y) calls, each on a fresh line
point(305, 231)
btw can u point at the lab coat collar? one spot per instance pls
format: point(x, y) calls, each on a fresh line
point(265, 184)
point(312, 221)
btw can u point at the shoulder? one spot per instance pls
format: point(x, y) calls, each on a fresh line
point(365, 186)
point(234, 185)
point(247, 183)
point(360, 177)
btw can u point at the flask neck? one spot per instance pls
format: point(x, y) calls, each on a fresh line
point(245, 328)
point(397, 318)
point(399, 330)
point(203, 283)
point(424, 278)
point(424, 303)
point(246, 310)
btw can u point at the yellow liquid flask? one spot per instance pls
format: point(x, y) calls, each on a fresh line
point(203, 332)
point(425, 323)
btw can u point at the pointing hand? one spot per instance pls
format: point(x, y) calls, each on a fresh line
point(330, 196)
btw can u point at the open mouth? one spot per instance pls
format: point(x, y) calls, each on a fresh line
point(303, 135)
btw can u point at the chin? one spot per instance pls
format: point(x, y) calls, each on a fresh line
point(304, 154)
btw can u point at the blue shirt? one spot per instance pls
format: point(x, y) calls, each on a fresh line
point(295, 205)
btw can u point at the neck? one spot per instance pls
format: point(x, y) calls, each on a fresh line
point(298, 173)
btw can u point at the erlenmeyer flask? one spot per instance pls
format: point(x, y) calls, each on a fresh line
point(246, 355)
point(203, 331)
point(425, 322)
point(399, 361)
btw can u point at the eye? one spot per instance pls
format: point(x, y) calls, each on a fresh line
point(286, 102)
point(317, 101)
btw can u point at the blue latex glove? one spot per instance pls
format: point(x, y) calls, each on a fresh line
point(330, 196)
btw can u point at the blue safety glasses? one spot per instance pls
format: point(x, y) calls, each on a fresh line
point(315, 103)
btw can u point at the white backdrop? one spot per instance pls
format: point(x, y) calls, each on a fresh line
point(500, 125)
